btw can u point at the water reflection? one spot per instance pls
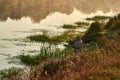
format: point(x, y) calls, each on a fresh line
point(40, 9)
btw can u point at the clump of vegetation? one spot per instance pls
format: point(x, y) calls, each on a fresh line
point(96, 18)
point(46, 53)
point(7, 74)
point(90, 46)
point(93, 33)
point(69, 26)
point(66, 36)
point(82, 23)
point(76, 25)
point(113, 24)
point(39, 38)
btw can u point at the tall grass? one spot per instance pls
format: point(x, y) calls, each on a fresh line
point(46, 53)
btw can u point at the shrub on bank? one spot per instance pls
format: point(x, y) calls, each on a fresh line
point(113, 24)
point(46, 53)
point(93, 33)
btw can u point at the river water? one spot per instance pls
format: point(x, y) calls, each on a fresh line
point(20, 18)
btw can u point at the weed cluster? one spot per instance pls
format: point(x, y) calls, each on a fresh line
point(66, 36)
point(96, 18)
point(46, 53)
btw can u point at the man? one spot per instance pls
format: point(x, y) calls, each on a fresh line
point(77, 45)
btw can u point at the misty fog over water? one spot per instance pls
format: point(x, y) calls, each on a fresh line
point(40, 9)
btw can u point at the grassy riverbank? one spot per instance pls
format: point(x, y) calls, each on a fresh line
point(99, 60)
point(102, 63)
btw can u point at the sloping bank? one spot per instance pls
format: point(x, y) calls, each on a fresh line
point(102, 63)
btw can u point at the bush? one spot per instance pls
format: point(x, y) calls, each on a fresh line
point(93, 33)
point(113, 23)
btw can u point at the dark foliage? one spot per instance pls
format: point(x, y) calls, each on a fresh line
point(93, 33)
point(113, 23)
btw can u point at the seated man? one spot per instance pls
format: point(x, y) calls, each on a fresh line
point(77, 45)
